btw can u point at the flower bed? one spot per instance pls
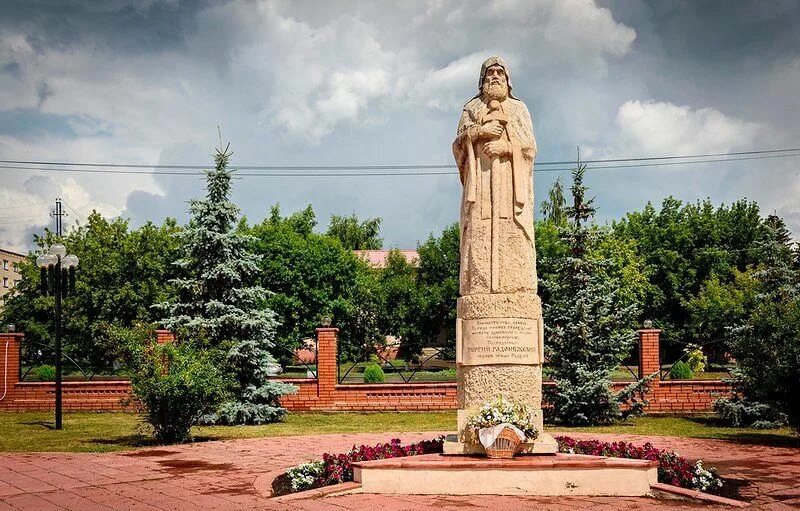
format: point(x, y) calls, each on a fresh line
point(673, 469)
point(338, 468)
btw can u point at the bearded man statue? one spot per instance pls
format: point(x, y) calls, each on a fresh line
point(499, 328)
point(494, 151)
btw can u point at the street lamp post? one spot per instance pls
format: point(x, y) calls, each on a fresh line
point(58, 279)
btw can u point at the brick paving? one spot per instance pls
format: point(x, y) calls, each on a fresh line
point(224, 476)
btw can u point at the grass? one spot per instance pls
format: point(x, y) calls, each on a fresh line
point(692, 427)
point(105, 432)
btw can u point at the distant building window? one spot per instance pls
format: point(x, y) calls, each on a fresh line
point(5, 264)
point(5, 281)
point(16, 282)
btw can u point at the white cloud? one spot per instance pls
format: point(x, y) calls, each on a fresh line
point(661, 128)
point(364, 82)
point(555, 34)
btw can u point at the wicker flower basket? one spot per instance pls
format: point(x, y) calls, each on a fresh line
point(504, 446)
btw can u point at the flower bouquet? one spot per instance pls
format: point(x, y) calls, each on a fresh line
point(501, 424)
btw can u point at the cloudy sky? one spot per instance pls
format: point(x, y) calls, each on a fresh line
point(382, 83)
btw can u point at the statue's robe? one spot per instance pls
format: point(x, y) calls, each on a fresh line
point(512, 207)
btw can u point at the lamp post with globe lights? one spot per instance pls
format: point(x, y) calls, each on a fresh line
point(58, 280)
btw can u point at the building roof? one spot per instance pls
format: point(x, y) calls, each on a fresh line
point(11, 252)
point(377, 258)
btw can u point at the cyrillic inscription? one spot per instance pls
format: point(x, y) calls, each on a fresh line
point(497, 341)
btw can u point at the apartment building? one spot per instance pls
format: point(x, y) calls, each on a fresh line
point(9, 276)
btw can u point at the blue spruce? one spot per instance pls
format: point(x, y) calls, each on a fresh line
point(219, 302)
point(588, 328)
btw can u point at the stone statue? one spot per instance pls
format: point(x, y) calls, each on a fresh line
point(499, 329)
point(494, 151)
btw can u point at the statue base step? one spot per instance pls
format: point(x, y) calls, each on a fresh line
point(544, 444)
point(556, 474)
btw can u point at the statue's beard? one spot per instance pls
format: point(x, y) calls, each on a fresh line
point(497, 90)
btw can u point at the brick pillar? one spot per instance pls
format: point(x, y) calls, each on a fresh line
point(649, 351)
point(9, 363)
point(327, 360)
point(164, 336)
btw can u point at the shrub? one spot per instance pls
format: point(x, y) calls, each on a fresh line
point(448, 373)
point(175, 384)
point(374, 374)
point(672, 468)
point(695, 358)
point(741, 412)
point(681, 371)
point(45, 373)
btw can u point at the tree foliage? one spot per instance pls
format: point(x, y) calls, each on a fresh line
point(122, 273)
point(219, 300)
point(683, 246)
point(554, 206)
point(766, 344)
point(355, 234)
point(587, 322)
point(309, 275)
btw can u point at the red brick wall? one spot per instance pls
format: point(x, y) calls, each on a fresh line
point(325, 394)
point(30, 396)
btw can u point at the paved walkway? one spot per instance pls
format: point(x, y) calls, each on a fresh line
point(221, 475)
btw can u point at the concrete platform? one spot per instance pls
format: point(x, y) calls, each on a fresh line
point(555, 474)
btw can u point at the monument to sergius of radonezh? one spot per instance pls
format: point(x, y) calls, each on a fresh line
point(499, 330)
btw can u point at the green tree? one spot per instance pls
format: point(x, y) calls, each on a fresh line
point(767, 343)
point(554, 207)
point(398, 298)
point(588, 325)
point(354, 234)
point(219, 300)
point(719, 305)
point(619, 259)
point(437, 291)
point(310, 275)
point(122, 273)
point(684, 245)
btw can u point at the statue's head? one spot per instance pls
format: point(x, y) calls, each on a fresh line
point(495, 80)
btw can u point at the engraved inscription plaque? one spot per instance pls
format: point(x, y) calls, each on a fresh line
point(497, 341)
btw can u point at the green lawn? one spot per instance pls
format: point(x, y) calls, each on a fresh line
point(101, 432)
point(692, 427)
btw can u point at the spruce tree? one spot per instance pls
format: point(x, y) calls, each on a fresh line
point(219, 302)
point(588, 328)
point(766, 344)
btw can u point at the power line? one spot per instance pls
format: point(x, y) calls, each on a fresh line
point(29, 222)
point(24, 205)
point(384, 167)
point(354, 171)
point(80, 217)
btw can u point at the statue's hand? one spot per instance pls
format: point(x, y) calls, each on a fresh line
point(497, 148)
point(492, 129)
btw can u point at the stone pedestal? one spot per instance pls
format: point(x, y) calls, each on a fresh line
point(499, 352)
